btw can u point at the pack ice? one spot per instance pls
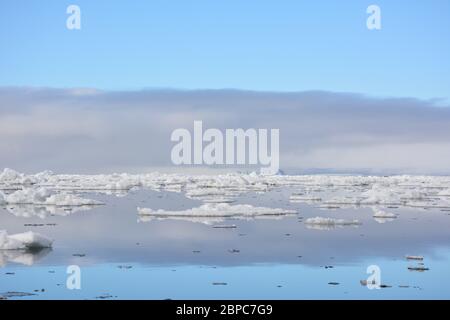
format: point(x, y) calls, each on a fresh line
point(327, 190)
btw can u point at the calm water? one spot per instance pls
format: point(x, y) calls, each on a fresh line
point(123, 257)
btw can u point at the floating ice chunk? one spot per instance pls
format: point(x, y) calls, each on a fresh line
point(419, 269)
point(382, 214)
point(414, 194)
point(123, 182)
point(211, 195)
point(331, 221)
point(43, 196)
point(380, 194)
point(201, 192)
point(343, 201)
point(218, 210)
point(26, 240)
point(420, 258)
point(10, 179)
point(28, 196)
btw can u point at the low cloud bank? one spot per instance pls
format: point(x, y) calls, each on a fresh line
point(85, 130)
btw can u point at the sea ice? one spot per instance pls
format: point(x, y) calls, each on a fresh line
point(26, 240)
point(404, 190)
point(384, 215)
point(217, 210)
point(331, 222)
point(43, 196)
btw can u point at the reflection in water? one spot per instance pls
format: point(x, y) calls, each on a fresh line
point(263, 251)
point(26, 257)
point(383, 220)
point(329, 226)
point(209, 220)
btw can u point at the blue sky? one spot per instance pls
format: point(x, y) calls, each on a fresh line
point(287, 45)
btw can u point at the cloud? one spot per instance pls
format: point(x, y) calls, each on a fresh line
point(87, 130)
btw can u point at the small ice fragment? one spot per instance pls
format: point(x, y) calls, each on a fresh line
point(384, 215)
point(419, 269)
point(414, 258)
point(225, 226)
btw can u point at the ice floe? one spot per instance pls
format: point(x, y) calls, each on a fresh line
point(322, 223)
point(26, 240)
point(210, 213)
point(43, 196)
point(219, 210)
point(382, 214)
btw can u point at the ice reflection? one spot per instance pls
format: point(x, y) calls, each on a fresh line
point(25, 257)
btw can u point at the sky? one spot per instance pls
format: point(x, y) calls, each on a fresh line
point(286, 45)
point(107, 97)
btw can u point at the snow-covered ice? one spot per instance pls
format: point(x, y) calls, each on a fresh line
point(43, 196)
point(214, 210)
point(331, 222)
point(383, 214)
point(26, 240)
point(327, 191)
